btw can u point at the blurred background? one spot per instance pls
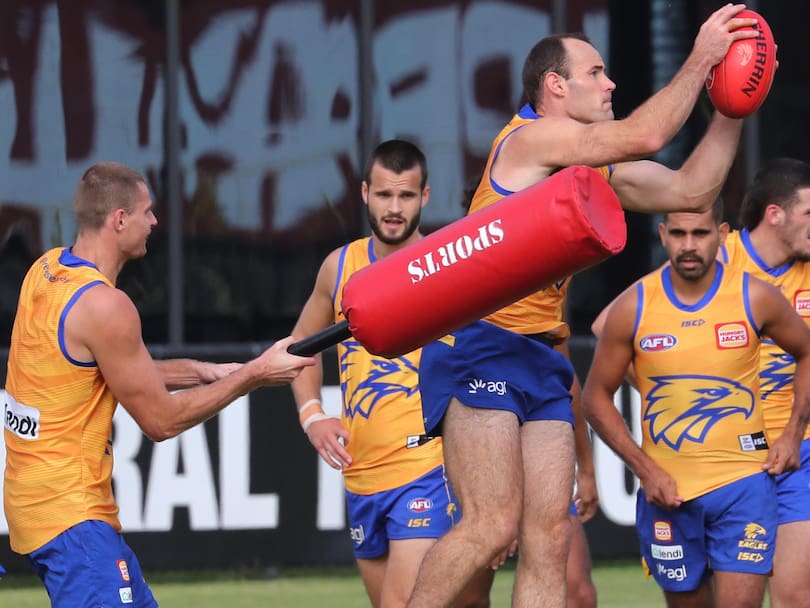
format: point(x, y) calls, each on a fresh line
point(252, 121)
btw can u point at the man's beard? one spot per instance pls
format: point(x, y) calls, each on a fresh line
point(410, 228)
point(691, 274)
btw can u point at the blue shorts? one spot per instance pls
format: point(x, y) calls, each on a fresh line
point(492, 368)
point(793, 490)
point(423, 508)
point(730, 529)
point(91, 565)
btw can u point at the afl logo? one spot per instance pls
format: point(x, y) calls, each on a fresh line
point(420, 505)
point(657, 342)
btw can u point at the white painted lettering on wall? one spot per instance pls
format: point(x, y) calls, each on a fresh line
point(617, 503)
point(147, 503)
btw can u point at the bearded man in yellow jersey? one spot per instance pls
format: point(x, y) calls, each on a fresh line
point(774, 245)
point(510, 451)
point(398, 497)
point(705, 513)
point(76, 351)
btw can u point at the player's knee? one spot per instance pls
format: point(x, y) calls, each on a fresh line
point(555, 532)
point(550, 540)
point(496, 526)
point(792, 598)
point(504, 528)
point(582, 595)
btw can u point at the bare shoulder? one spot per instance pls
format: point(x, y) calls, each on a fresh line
point(332, 260)
point(621, 315)
point(757, 288)
point(104, 311)
point(318, 310)
point(537, 141)
point(327, 275)
point(765, 297)
point(103, 318)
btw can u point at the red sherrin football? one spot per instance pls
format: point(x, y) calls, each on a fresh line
point(739, 84)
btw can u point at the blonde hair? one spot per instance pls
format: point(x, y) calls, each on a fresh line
point(104, 187)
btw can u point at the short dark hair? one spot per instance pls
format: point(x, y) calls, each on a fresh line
point(397, 155)
point(717, 210)
point(776, 183)
point(548, 55)
point(102, 188)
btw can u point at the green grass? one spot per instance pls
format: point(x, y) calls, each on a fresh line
point(620, 585)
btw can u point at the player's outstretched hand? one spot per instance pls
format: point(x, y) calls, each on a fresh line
point(719, 31)
point(276, 366)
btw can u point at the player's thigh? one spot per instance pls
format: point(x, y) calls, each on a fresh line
point(404, 559)
point(739, 589)
point(702, 597)
point(790, 583)
point(483, 459)
point(548, 465)
point(372, 571)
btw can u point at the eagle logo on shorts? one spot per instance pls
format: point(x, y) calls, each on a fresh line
point(672, 420)
point(777, 373)
point(754, 530)
point(384, 379)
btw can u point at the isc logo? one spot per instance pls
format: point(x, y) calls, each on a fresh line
point(657, 342)
point(419, 522)
point(749, 556)
point(693, 323)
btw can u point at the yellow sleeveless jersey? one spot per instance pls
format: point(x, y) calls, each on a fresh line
point(776, 366)
point(541, 311)
point(697, 368)
point(381, 406)
point(58, 413)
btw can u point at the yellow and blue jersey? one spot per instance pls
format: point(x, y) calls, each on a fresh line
point(381, 404)
point(777, 368)
point(697, 368)
point(58, 412)
point(542, 311)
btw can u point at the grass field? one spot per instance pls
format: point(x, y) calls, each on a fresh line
point(620, 585)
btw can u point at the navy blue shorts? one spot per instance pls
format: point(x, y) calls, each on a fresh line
point(485, 366)
point(91, 565)
point(793, 490)
point(423, 508)
point(730, 529)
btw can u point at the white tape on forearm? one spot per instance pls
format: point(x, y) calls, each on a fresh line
point(309, 403)
point(314, 418)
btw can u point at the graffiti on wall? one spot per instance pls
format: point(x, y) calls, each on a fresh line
point(269, 99)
